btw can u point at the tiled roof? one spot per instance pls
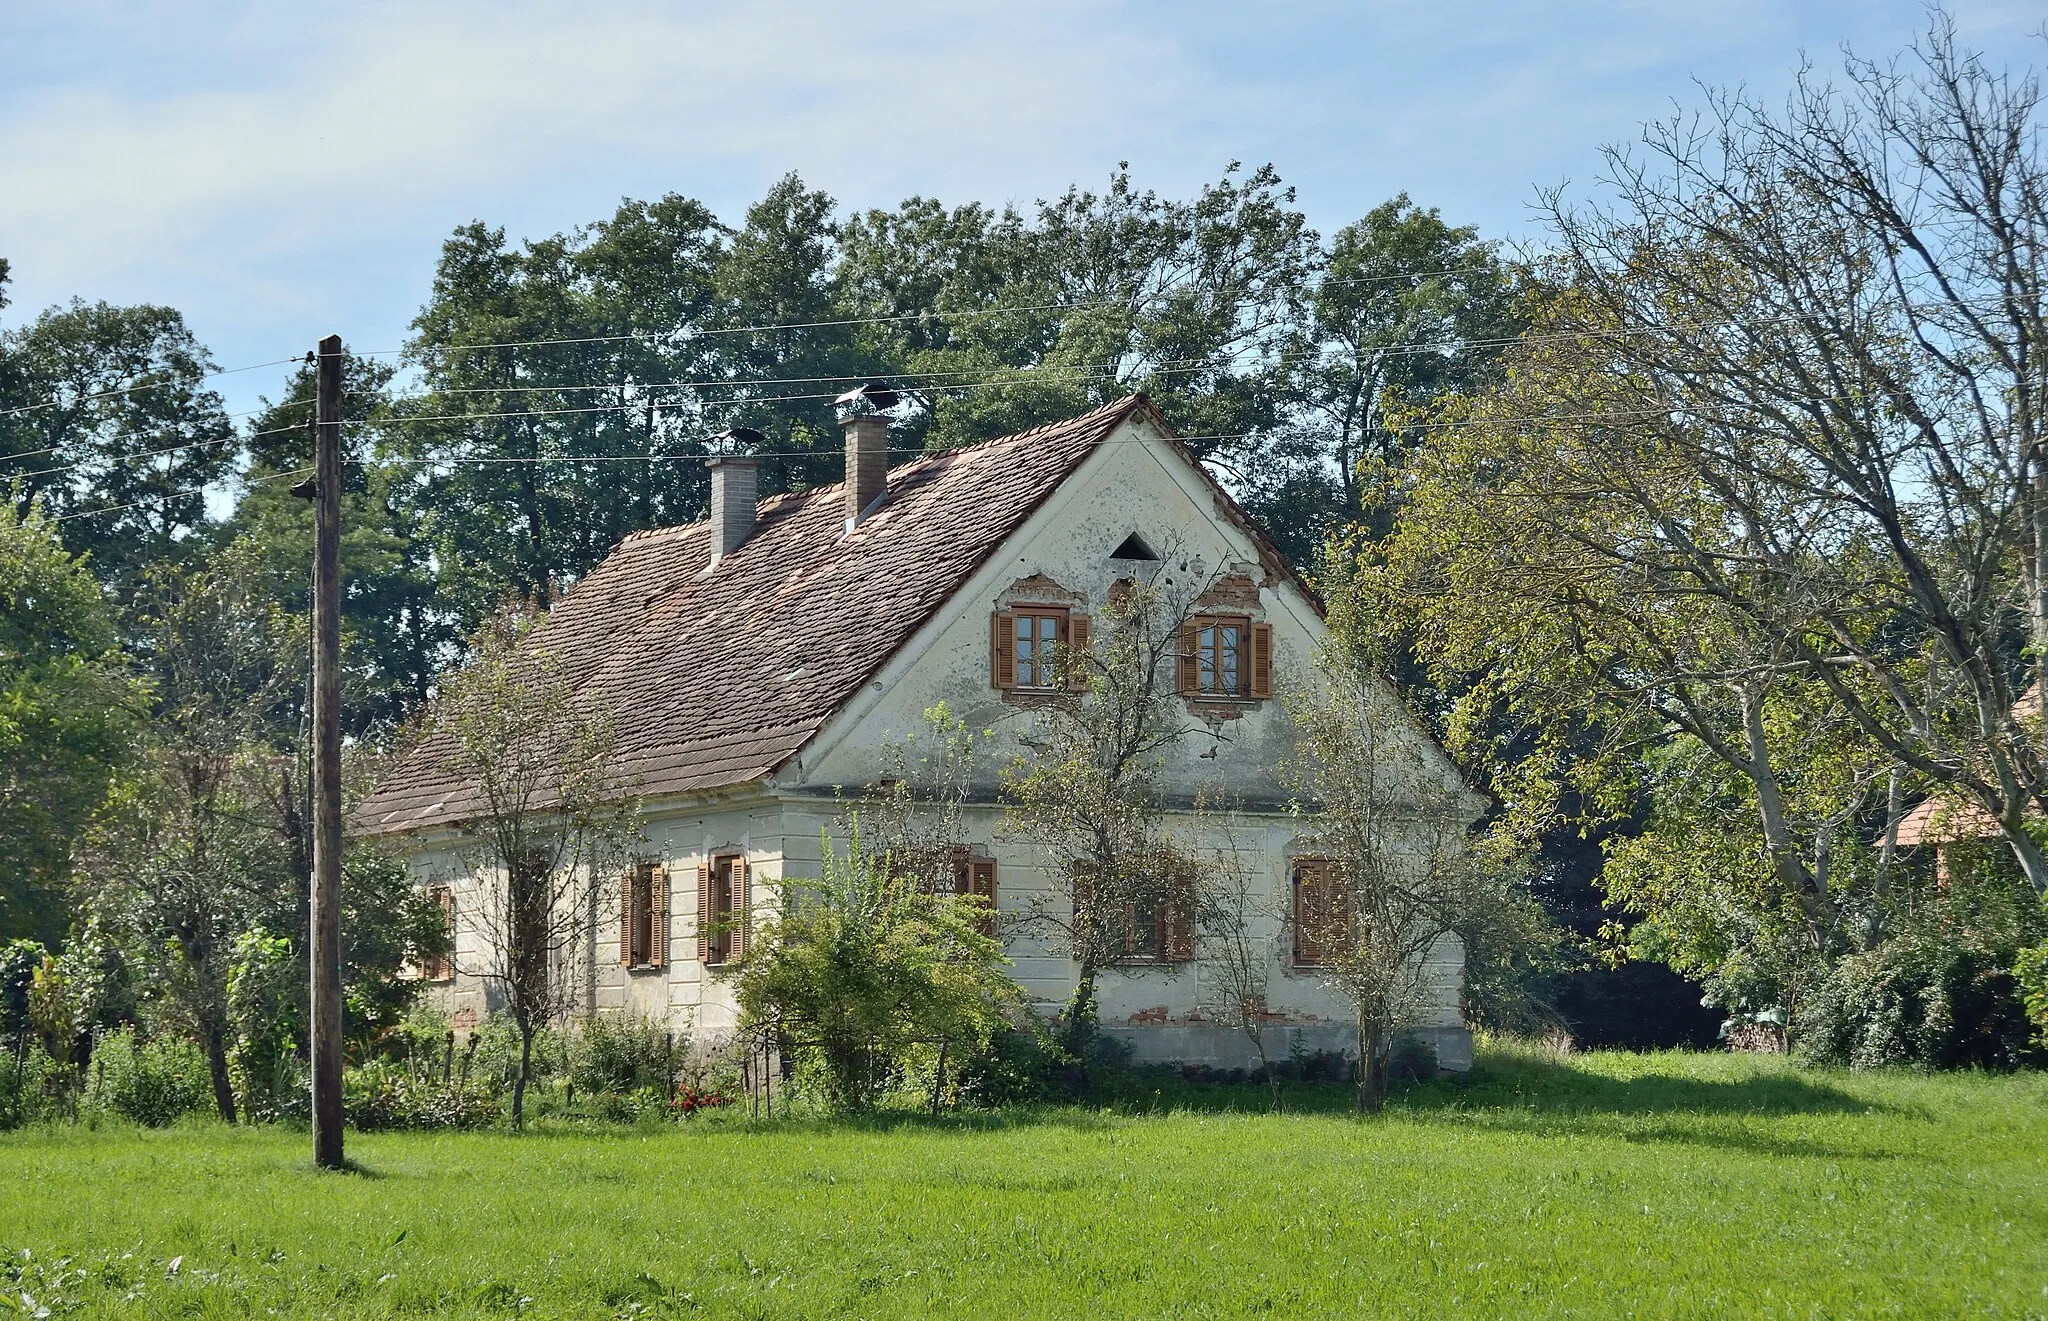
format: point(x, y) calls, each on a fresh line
point(1945, 819)
point(718, 680)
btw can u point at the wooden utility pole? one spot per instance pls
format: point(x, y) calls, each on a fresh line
point(327, 757)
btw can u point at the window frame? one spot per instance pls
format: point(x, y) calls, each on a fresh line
point(1044, 672)
point(644, 926)
point(1209, 659)
point(727, 943)
point(968, 871)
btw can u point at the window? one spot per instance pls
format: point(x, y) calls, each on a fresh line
point(722, 910)
point(441, 967)
point(1156, 931)
point(643, 916)
point(1321, 918)
point(1226, 656)
point(1031, 644)
point(977, 877)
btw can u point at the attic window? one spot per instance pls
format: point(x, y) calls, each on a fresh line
point(1133, 548)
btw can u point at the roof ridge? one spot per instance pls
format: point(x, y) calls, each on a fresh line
point(1122, 405)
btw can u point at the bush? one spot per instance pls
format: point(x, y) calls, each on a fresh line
point(151, 1082)
point(380, 1097)
point(613, 1053)
point(1919, 1001)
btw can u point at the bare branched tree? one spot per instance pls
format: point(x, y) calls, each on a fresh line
point(1400, 880)
point(549, 827)
point(1831, 321)
point(1087, 790)
point(1239, 918)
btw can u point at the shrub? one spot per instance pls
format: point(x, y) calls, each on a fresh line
point(614, 1053)
point(152, 1082)
point(867, 966)
point(380, 1096)
point(264, 992)
point(1921, 1001)
point(2030, 970)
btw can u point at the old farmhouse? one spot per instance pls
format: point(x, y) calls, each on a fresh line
point(757, 662)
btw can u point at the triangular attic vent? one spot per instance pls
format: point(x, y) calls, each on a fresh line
point(1133, 548)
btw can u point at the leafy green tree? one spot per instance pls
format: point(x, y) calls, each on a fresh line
point(868, 967)
point(70, 707)
point(1405, 307)
point(396, 635)
point(106, 410)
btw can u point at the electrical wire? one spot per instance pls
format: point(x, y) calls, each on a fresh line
point(146, 385)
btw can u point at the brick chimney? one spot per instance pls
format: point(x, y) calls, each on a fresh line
point(735, 487)
point(867, 463)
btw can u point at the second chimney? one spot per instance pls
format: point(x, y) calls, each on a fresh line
point(867, 463)
point(735, 488)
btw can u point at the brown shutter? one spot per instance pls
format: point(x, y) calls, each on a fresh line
point(1002, 650)
point(1262, 660)
point(1190, 660)
point(657, 926)
point(1180, 933)
point(626, 916)
point(703, 914)
point(1076, 658)
point(984, 884)
point(1295, 913)
point(740, 907)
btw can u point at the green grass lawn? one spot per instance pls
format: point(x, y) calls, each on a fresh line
point(1606, 1185)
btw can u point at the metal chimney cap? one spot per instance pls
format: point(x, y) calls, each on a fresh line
point(864, 401)
point(735, 441)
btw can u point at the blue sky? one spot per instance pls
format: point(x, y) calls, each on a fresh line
point(282, 171)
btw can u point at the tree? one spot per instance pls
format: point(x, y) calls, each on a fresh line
point(1237, 916)
point(106, 410)
point(70, 708)
point(397, 632)
point(869, 964)
point(548, 830)
point(1402, 887)
point(1405, 306)
point(1085, 790)
point(1823, 325)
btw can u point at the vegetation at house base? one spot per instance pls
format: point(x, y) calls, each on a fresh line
point(1658, 1185)
point(870, 976)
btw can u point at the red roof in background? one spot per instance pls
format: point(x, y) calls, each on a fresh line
point(1944, 820)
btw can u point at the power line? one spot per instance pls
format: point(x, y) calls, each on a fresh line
point(146, 385)
point(172, 495)
point(928, 314)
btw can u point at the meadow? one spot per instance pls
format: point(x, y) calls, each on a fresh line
point(1596, 1185)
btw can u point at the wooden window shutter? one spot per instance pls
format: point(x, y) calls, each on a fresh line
point(657, 926)
point(1079, 632)
point(984, 885)
point(1002, 650)
point(1190, 660)
point(626, 898)
point(704, 914)
point(740, 905)
point(1262, 660)
point(1299, 915)
point(1180, 933)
